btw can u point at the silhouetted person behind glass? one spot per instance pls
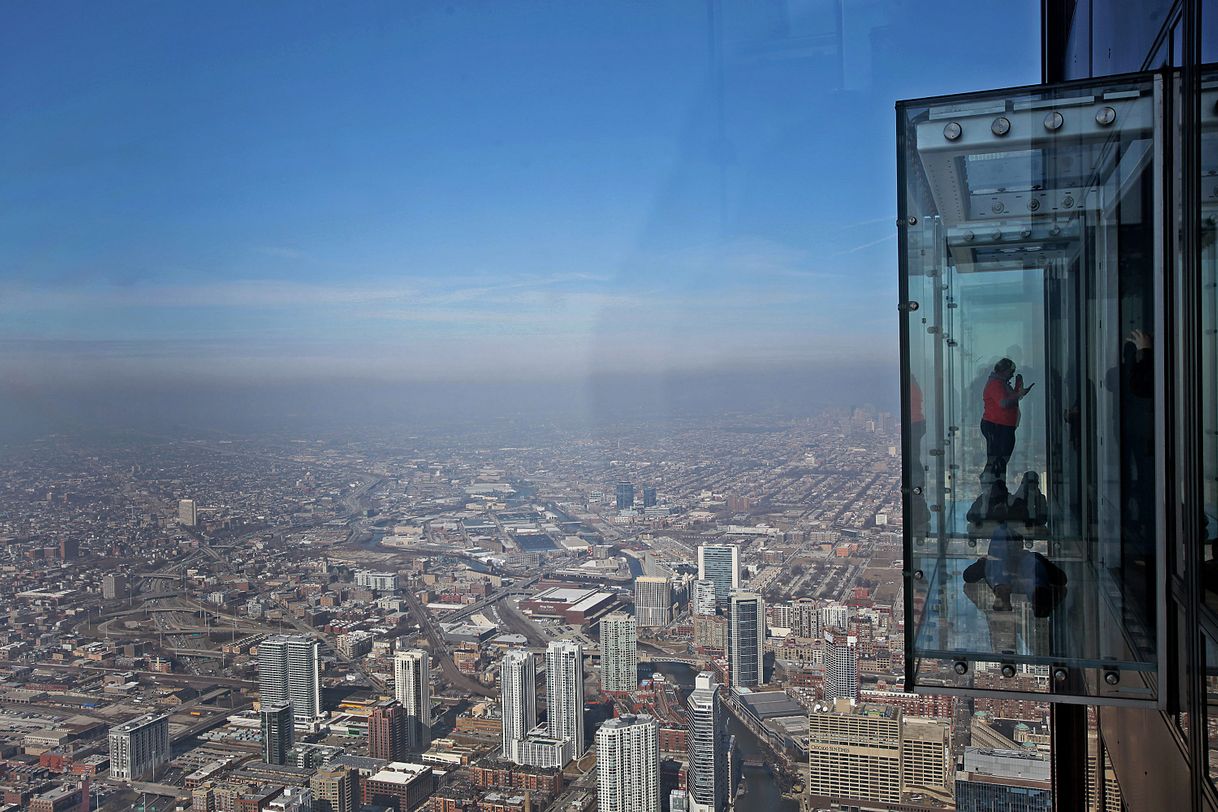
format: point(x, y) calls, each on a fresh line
point(1000, 417)
point(1010, 568)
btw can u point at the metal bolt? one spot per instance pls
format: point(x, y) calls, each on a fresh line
point(952, 131)
point(996, 236)
point(968, 236)
point(1025, 233)
point(913, 305)
point(1034, 204)
point(918, 575)
point(1001, 126)
point(1055, 230)
point(1112, 677)
point(961, 667)
point(917, 490)
point(1059, 675)
point(998, 207)
point(1068, 202)
point(913, 221)
point(1054, 121)
point(1008, 670)
point(1105, 116)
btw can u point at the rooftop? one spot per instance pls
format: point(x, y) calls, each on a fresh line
point(401, 772)
point(562, 594)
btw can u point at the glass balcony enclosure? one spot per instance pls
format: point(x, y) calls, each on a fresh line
point(1031, 251)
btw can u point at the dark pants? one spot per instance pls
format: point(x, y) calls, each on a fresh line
point(999, 444)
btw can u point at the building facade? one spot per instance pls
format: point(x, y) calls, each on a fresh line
point(412, 688)
point(139, 748)
point(289, 671)
point(926, 749)
point(188, 515)
point(518, 698)
point(702, 597)
point(841, 665)
point(387, 726)
point(565, 693)
point(746, 640)
point(707, 779)
point(278, 729)
point(1010, 780)
point(402, 786)
point(854, 752)
point(720, 564)
point(652, 601)
point(335, 790)
point(619, 653)
point(628, 765)
point(625, 496)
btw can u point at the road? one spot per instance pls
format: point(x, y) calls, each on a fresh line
point(440, 650)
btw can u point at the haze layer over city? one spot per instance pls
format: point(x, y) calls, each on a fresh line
point(467, 406)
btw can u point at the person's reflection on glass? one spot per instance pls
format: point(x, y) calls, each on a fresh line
point(920, 520)
point(1000, 418)
point(1133, 383)
point(1010, 568)
point(1209, 567)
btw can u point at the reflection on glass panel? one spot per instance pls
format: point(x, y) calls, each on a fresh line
point(1211, 708)
point(1029, 260)
point(1209, 332)
point(1123, 33)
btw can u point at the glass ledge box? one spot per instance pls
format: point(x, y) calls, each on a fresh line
point(1032, 254)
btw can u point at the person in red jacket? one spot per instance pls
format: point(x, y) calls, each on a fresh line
point(999, 418)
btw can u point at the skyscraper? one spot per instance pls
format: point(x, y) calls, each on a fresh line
point(139, 748)
point(841, 665)
point(625, 495)
point(412, 687)
point(565, 693)
point(649, 496)
point(854, 751)
point(619, 653)
point(746, 640)
point(288, 671)
point(652, 601)
point(387, 731)
point(518, 686)
point(707, 745)
point(1010, 780)
point(702, 599)
point(187, 513)
point(278, 730)
point(720, 563)
point(628, 765)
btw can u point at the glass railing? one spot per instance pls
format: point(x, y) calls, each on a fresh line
point(1031, 242)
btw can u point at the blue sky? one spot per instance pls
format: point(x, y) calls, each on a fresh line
point(415, 190)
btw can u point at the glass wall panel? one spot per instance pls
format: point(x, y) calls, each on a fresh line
point(1208, 256)
point(1123, 33)
point(1211, 708)
point(1031, 246)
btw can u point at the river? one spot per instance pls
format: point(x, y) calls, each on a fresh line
point(761, 791)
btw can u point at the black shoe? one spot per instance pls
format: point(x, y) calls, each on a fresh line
point(974, 572)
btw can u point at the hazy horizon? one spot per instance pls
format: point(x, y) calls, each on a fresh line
point(272, 198)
